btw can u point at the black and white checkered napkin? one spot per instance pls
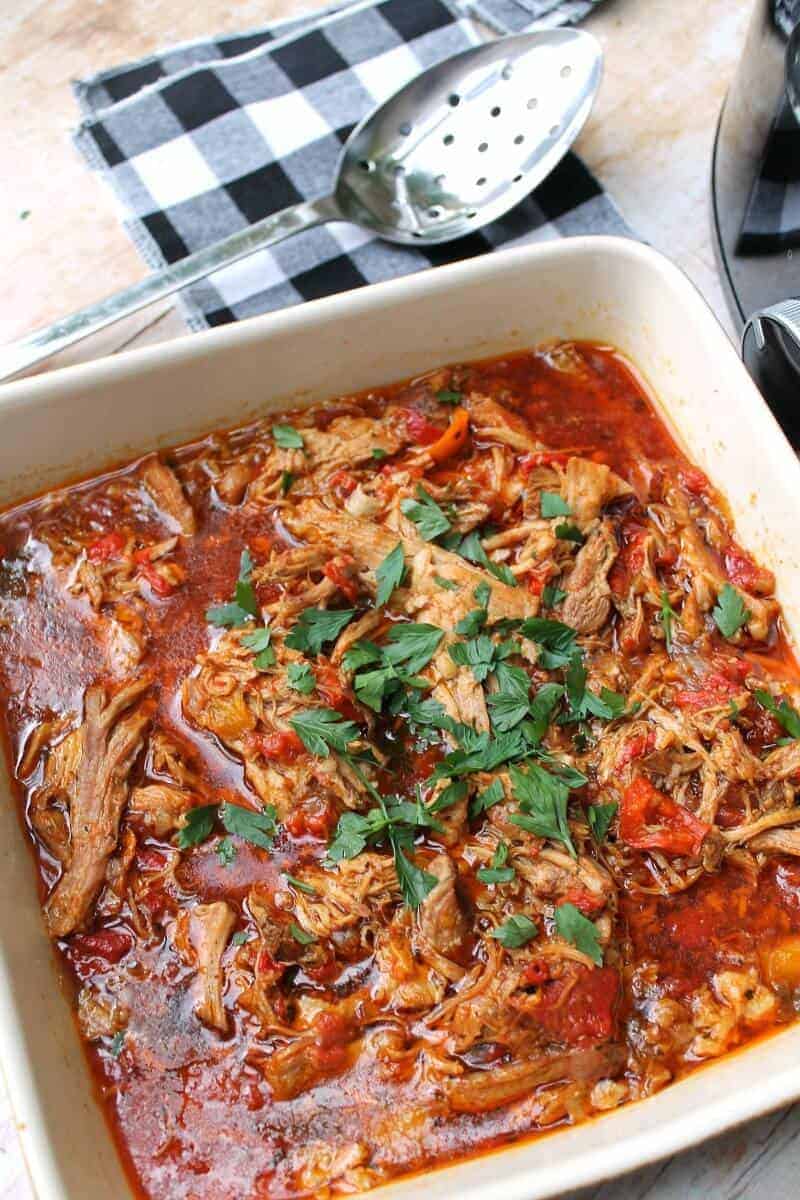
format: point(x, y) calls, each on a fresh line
point(208, 137)
point(771, 222)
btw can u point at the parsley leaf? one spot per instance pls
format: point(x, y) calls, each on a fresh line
point(300, 884)
point(244, 605)
point(569, 533)
point(412, 644)
point(197, 826)
point(361, 654)
point(415, 883)
point(480, 752)
point(399, 823)
point(553, 506)
point(323, 729)
point(447, 584)
point(666, 616)
point(301, 678)
point(579, 931)
point(472, 623)
point(478, 653)
point(600, 817)
point(729, 613)
point(226, 852)
point(239, 938)
point(315, 626)
point(556, 641)
point(287, 437)
point(509, 704)
point(498, 872)
point(541, 710)
point(452, 794)
point(300, 935)
point(552, 595)
point(543, 801)
point(517, 931)
point(471, 549)
point(287, 479)
point(607, 706)
point(117, 1042)
point(447, 396)
point(258, 828)
point(783, 712)
point(390, 574)
point(259, 640)
point(426, 514)
point(484, 800)
point(378, 452)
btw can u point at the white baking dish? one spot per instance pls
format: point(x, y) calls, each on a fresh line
point(75, 421)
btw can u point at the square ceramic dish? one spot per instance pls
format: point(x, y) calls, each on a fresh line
point(80, 420)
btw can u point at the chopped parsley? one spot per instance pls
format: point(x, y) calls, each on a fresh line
point(600, 817)
point(553, 506)
point(315, 626)
point(300, 884)
point(543, 804)
point(239, 938)
point(301, 678)
point(300, 935)
point(197, 826)
point(390, 574)
point(556, 641)
point(447, 584)
point(509, 704)
point(323, 729)
point(569, 533)
point(782, 711)
point(481, 654)
point(396, 823)
point(486, 799)
point(259, 640)
point(450, 795)
point(426, 514)
point(287, 437)
point(579, 931)
point(117, 1042)
point(729, 613)
point(382, 672)
point(287, 479)
point(226, 852)
point(608, 706)
point(517, 931)
point(498, 871)
point(244, 606)
point(378, 452)
point(447, 396)
point(552, 595)
point(258, 828)
point(471, 548)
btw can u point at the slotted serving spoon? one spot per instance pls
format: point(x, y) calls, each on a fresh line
point(452, 150)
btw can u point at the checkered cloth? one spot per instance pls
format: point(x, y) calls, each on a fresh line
point(211, 136)
point(771, 220)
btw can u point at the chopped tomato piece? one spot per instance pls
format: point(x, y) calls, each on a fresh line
point(335, 692)
point(420, 429)
point(651, 820)
point(282, 746)
point(585, 901)
point(538, 577)
point(636, 747)
point(714, 690)
point(580, 1009)
point(630, 560)
point(161, 587)
point(317, 819)
point(342, 572)
point(694, 480)
point(92, 953)
point(106, 548)
point(745, 573)
point(343, 481)
point(453, 439)
point(333, 1034)
point(262, 545)
point(536, 972)
point(667, 557)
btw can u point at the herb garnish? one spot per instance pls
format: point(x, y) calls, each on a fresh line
point(197, 826)
point(426, 514)
point(579, 931)
point(447, 396)
point(226, 851)
point(117, 1042)
point(287, 437)
point(258, 828)
point(729, 613)
point(300, 884)
point(447, 584)
point(301, 678)
point(543, 803)
point(552, 505)
point(783, 712)
point(390, 574)
point(287, 479)
point(323, 729)
point(259, 640)
point(315, 626)
point(600, 817)
point(486, 799)
point(569, 533)
point(556, 641)
point(497, 872)
point(470, 548)
point(517, 931)
point(552, 595)
point(300, 935)
point(244, 606)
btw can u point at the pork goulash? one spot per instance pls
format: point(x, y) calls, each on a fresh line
point(406, 775)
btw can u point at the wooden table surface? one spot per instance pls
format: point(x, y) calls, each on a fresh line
point(668, 63)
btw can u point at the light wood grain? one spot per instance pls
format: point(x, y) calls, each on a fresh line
point(667, 67)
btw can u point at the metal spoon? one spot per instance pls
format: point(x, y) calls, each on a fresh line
point(452, 150)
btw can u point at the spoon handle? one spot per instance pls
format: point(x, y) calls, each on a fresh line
point(40, 344)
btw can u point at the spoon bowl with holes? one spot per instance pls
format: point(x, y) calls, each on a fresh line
point(454, 149)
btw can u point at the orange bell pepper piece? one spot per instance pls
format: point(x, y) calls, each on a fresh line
point(453, 438)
